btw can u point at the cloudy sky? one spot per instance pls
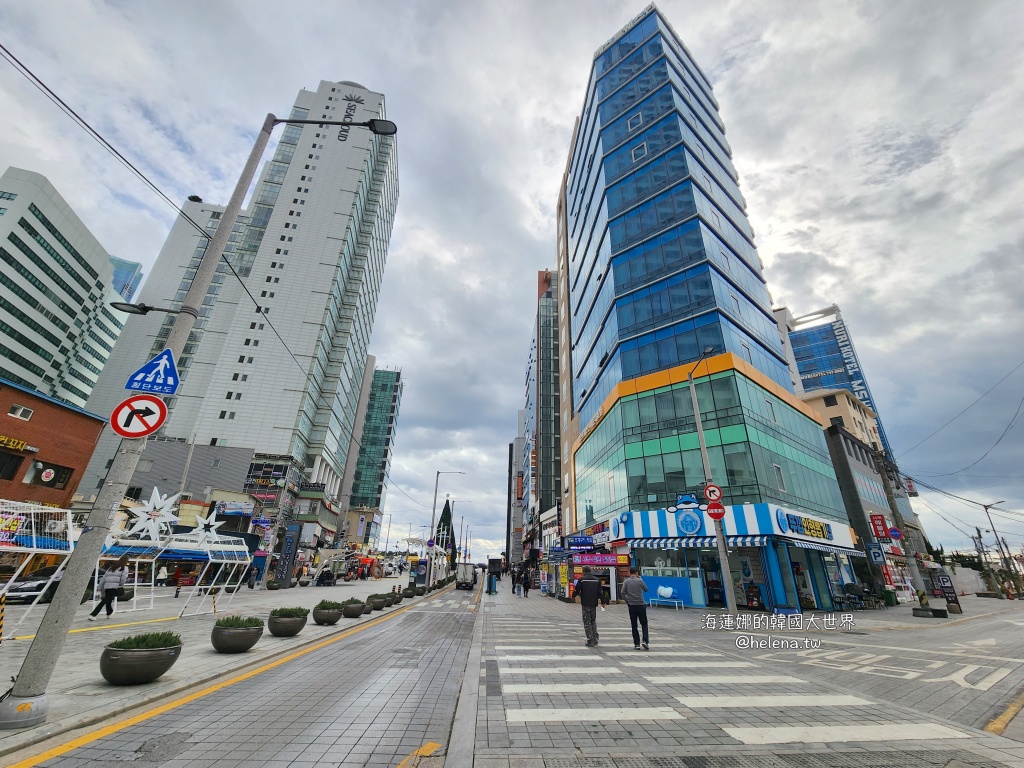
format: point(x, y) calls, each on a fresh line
point(880, 147)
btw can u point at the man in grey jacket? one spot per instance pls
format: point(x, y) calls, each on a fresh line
point(633, 590)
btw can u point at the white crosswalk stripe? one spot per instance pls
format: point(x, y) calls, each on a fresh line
point(594, 670)
point(564, 688)
point(673, 665)
point(602, 714)
point(808, 734)
point(777, 700)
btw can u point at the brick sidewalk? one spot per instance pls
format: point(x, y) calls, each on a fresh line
point(543, 699)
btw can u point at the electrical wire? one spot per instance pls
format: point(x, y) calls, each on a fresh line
point(965, 410)
point(933, 509)
point(39, 84)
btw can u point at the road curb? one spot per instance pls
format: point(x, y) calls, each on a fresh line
point(462, 743)
point(24, 740)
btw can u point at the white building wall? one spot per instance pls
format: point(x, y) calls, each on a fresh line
point(58, 328)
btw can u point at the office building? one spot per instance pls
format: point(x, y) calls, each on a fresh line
point(517, 498)
point(127, 276)
point(542, 482)
point(277, 357)
point(377, 440)
point(56, 283)
point(826, 359)
point(663, 273)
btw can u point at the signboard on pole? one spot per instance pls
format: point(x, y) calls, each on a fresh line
point(600, 559)
point(875, 554)
point(715, 510)
point(159, 376)
point(138, 416)
point(948, 590)
point(878, 527)
point(895, 534)
point(712, 492)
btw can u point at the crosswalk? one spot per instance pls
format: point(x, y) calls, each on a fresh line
point(693, 695)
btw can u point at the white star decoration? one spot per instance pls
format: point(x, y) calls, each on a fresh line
point(155, 518)
point(207, 527)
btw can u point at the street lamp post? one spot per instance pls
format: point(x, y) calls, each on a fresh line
point(723, 550)
point(26, 704)
point(387, 538)
point(433, 520)
point(1002, 555)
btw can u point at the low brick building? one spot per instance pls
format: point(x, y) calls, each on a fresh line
point(45, 446)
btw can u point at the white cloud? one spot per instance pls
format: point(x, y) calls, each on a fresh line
point(880, 149)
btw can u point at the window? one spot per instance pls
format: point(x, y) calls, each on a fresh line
point(249, 360)
point(231, 415)
point(248, 342)
point(222, 414)
point(770, 409)
point(234, 377)
point(831, 402)
point(635, 121)
point(779, 479)
point(837, 421)
point(213, 441)
point(20, 412)
point(238, 395)
point(216, 462)
point(640, 151)
point(263, 294)
point(228, 395)
point(133, 493)
point(736, 304)
point(725, 260)
point(245, 377)
point(241, 359)
point(9, 465)
point(747, 353)
point(255, 342)
point(7, 196)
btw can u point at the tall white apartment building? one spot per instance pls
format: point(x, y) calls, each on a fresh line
point(57, 329)
point(310, 251)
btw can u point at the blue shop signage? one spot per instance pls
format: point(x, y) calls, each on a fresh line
point(803, 526)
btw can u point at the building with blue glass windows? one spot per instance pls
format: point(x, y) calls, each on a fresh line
point(127, 276)
point(661, 266)
point(826, 359)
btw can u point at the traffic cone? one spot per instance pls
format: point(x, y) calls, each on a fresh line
point(962, 593)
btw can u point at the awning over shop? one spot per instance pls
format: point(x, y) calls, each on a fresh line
point(697, 541)
point(826, 548)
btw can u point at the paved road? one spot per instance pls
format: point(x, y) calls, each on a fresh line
point(888, 690)
point(368, 700)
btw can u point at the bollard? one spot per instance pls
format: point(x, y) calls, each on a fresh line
point(215, 600)
point(3, 609)
point(177, 591)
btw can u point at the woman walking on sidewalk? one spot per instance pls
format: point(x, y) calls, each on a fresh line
point(524, 578)
point(111, 584)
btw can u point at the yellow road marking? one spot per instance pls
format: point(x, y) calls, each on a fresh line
point(104, 626)
point(998, 725)
point(88, 738)
point(427, 749)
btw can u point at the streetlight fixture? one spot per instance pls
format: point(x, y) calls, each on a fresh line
point(27, 704)
point(433, 518)
point(1002, 555)
point(140, 308)
point(723, 549)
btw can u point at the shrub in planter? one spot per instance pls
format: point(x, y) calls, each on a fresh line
point(139, 659)
point(377, 602)
point(421, 590)
point(389, 599)
point(397, 595)
point(352, 608)
point(273, 585)
point(287, 622)
point(327, 612)
point(409, 592)
point(236, 634)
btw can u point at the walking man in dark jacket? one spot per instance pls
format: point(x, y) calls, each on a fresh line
point(633, 590)
point(588, 587)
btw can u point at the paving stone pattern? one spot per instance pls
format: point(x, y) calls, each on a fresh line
point(368, 700)
point(685, 712)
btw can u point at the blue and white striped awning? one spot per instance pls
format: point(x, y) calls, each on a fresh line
point(826, 548)
point(697, 541)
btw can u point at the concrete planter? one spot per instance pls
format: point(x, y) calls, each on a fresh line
point(377, 604)
point(326, 618)
point(409, 592)
point(282, 627)
point(353, 610)
point(273, 585)
point(421, 591)
point(303, 582)
point(367, 609)
point(389, 601)
point(398, 597)
point(235, 639)
point(136, 666)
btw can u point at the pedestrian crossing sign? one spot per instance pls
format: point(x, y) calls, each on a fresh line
point(159, 376)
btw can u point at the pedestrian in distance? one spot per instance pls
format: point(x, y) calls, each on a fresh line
point(112, 586)
point(161, 576)
point(254, 576)
point(517, 589)
point(588, 587)
point(524, 579)
point(633, 590)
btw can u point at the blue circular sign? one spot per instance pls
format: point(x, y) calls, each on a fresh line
point(688, 521)
point(895, 534)
point(616, 528)
point(780, 518)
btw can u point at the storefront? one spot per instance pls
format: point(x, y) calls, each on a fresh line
point(779, 558)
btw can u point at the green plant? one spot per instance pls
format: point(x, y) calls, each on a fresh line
point(328, 605)
point(147, 641)
point(290, 613)
point(239, 622)
point(351, 601)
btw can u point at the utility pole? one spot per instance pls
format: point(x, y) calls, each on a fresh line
point(986, 571)
point(26, 703)
point(883, 470)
